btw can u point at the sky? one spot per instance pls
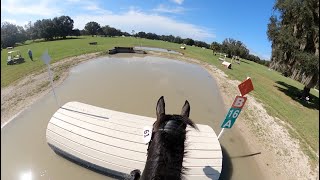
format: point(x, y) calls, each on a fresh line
point(205, 20)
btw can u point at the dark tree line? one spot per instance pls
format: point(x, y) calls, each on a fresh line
point(49, 29)
point(93, 28)
point(294, 33)
point(11, 34)
point(173, 39)
point(233, 47)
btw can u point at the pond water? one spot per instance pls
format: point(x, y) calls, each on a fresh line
point(127, 84)
point(156, 49)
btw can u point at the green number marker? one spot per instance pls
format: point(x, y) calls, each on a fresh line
point(231, 117)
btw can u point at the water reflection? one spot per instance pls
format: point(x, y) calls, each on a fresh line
point(26, 175)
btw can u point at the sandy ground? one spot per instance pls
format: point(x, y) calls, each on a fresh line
point(281, 157)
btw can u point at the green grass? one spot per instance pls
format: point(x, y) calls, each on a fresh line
point(276, 92)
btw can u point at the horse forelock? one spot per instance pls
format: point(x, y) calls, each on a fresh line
point(163, 120)
point(164, 158)
point(167, 148)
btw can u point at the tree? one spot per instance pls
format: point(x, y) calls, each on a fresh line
point(63, 26)
point(169, 38)
point(201, 44)
point(22, 35)
point(92, 28)
point(83, 32)
point(152, 36)
point(294, 33)
point(253, 58)
point(215, 46)
point(141, 34)
point(188, 41)
point(178, 40)
point(75, 32)
point(111, 31)
point(37, 28)
point(12, 34)
point(8, 34)
point(126, 34)
point(233, 47)
point(30, 31)
point(101, 32)
point(47, 29)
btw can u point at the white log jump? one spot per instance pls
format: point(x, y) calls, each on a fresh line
point(111, 142)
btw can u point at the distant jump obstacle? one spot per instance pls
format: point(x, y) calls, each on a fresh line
point(111, 142)
point(235, 59)
point(222, 57)
point(116, 50)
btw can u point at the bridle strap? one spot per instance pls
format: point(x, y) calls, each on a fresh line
point(172, 126)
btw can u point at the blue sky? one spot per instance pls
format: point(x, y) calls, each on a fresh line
point(206, 20)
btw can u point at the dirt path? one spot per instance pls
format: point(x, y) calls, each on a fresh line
point(280, 158)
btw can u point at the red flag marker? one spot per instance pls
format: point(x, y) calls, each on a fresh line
point(245, 87)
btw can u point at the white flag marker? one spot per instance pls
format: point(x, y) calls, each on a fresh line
point(46, 59)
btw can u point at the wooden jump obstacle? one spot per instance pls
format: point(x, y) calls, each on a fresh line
point(116, 50)
point(224, 57)
point(111, 142)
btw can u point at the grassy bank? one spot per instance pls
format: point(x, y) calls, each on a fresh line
point(276, 92)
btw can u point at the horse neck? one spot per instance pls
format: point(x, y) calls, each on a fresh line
point(165, 158)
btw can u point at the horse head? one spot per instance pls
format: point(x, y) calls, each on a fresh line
point(167, 146)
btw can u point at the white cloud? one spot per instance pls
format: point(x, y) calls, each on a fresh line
point(166, 9)
point(73, 1)
point(92, 7)
point(133, 19)
point(12, 21)
point(26, 7)
point(178, 1)
point(265, 57)
point(260, 55)
point(15, 21)
point(139, 21)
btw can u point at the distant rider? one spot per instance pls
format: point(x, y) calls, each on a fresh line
point(30, 54)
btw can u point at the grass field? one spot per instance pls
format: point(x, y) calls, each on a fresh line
point(276, 92)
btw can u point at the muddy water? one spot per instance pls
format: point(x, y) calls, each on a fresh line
point(131, 85)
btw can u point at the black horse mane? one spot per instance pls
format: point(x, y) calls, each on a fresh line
point(167, 146)
point(173, 142)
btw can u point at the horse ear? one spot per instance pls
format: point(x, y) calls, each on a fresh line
point(185, 109)
point(160, 109)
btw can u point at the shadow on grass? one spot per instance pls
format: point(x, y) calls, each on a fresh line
point(295, 93)
point(14, 63)
point(227, 168)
